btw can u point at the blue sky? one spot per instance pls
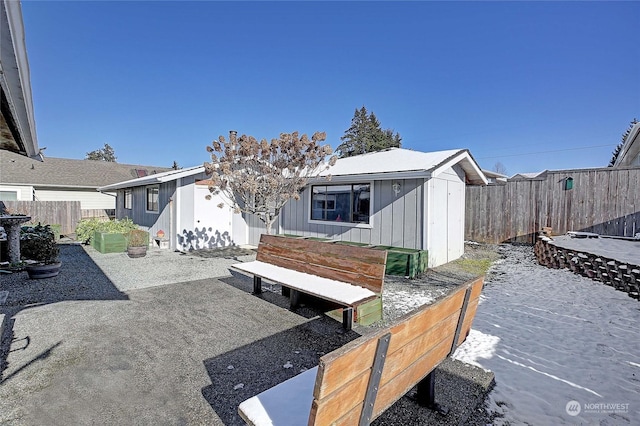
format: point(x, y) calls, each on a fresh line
point(533, 85)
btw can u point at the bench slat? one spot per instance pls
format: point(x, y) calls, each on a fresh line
point(299, 247)
point(372, 283)
point(364, 266)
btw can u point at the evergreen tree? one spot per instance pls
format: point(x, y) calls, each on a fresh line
point(366, 135)
point(616, 151)
point(105, 154)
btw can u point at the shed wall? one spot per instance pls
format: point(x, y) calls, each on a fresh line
point(150, 221)
point(396, 218)
point(445, 235)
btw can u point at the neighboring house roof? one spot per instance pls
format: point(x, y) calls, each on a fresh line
point(17, 169)
point(17, 122)
point(630, 153)
point(494, 177)
point(529, 176)
point(398, 163)
point(158, 178)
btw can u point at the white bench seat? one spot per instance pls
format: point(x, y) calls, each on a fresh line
point(286, 404)
point(327, 289)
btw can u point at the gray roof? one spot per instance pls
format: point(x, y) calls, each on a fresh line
point(67, 173)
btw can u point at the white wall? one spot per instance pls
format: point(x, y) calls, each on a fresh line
point(445, 228)
point(184, 220)
point(200, 223)
point(24, 193)
point(89, 199)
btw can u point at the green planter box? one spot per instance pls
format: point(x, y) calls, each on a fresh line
point(405, 262)
point(109, 243)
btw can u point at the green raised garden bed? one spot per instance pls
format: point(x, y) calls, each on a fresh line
point(405, 262)
point(106, 242)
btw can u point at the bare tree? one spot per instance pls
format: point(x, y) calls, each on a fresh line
point(500, 168)
point(260, 177)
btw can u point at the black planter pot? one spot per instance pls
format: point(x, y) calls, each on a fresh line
point(134, 252)
point(43, 271)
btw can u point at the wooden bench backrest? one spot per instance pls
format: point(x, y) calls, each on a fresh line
point(419, 342)
point(355, 265)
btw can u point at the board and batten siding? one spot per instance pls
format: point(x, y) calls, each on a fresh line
point(149, 221)
point(396, 219)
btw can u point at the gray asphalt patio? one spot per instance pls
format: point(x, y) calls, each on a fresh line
point(169, 339)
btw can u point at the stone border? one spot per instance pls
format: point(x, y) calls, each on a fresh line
point(620, 275)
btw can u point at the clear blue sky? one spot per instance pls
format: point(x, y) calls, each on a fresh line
point(534, 85)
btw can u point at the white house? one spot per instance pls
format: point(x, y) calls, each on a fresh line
point(176, 203)
point(397, 197)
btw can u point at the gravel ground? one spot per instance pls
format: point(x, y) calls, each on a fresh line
point(109, 330)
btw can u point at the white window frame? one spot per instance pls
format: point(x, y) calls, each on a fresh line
point(146, 200)
point(128, 199)
point(7, 191)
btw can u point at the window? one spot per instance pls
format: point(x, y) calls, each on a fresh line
point(152, 199)
point(128, 199)
point(8, 195)
point(341, 203)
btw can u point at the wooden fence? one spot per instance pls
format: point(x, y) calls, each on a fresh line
point(604, 201)
point(67, 214)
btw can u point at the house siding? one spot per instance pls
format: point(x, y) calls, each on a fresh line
point(395, 219)
point(151, 222)
point(23, 193)
point(89, 199)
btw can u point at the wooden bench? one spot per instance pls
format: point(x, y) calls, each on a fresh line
point(359, 381)
point(347, 276)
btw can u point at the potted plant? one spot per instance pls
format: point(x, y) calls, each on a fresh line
point(137, 243)
point(39, 250)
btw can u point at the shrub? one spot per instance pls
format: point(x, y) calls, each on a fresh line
point(86, 227)
point(138, 238)
point(38, 243)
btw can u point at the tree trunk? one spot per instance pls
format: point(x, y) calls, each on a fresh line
point(268, 224)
